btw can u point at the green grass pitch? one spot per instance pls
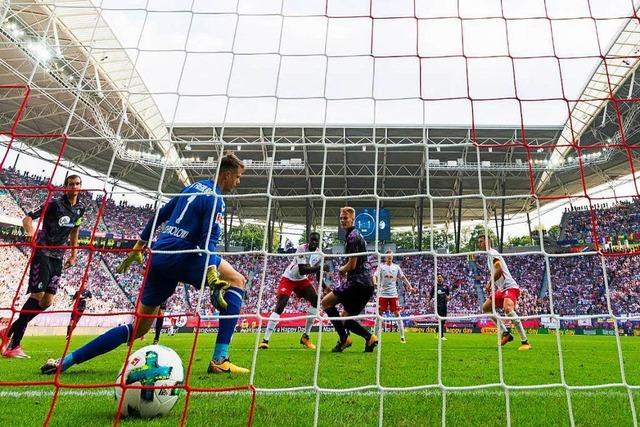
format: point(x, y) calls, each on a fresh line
point(467, 360)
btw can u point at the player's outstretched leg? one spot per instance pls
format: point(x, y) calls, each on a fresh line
point(403, 339)
point(309, 294)
point(509, 309)
point(305, 339)
point(36, 304)
point(104, 343)
point(229, 319)
point(505, 335)
point(274, 318)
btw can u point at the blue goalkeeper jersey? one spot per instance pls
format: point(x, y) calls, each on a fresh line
point(188, 217)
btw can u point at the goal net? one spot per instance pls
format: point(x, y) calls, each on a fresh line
point(438, 121)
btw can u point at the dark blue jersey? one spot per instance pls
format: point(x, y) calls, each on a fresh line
point(60, 218)
point(188, 217)
point(355, 243)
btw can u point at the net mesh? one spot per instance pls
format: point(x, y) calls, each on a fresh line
point(85, 81)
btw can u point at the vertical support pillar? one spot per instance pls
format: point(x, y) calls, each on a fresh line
point(504, 192)
point(459, 217)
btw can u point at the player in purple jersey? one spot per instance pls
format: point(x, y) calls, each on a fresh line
point(60, 225)
point(356, 292)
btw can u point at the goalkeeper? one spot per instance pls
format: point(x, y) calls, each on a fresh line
point(192, 224)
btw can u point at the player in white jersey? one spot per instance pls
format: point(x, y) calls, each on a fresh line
point(295, 279)
point(506, 294)
point(387, 276)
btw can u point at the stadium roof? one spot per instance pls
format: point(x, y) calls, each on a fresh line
point(407, 161)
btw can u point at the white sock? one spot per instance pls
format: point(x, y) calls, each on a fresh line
point(519, 327)
point(271, 325)
point(312, 312)
point(499, 323)
point(401, 328)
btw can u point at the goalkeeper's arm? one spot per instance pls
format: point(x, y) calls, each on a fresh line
point(135, 256)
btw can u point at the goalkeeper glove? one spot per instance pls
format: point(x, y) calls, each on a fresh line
point(134, 256)
point(218, 288)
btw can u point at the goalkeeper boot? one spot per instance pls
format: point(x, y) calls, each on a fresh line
point(225, 367)
point(16, 353)
point(403, 340)
point(342, 345)
point(506, 338)
point(50, 367)
point(306, 342)
point(524, 346)
point(264, 345)
point(371, 344)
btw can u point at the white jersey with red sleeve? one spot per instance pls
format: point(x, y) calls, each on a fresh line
point(389, 275)
point(293, 272)
point(506, 281)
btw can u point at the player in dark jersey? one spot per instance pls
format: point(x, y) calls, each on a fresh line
point(355, 293)
point(193, 223)
point(60, 226)
point(82, 298)
point(441, 294)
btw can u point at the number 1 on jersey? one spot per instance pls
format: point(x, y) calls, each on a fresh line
point(184, 210)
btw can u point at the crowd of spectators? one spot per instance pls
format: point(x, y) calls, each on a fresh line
point(576, 282)
point(612, 221)
point(30, 192)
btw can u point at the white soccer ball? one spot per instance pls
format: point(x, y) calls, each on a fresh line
point(153, 365)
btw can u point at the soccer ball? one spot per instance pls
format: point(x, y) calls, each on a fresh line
point(153, 365)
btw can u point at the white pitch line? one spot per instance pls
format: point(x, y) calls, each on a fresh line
point(103, 392)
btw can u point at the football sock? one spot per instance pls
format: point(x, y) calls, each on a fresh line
point(401, 327)
point(338, 324)
point(19, 327)
point(442, 327)
point(499, 324)
point(233, 297)
point(376, 326)
point(99, 345)
point(312, 312)
point(357, 329)
point(159, 322)
point(271, 325)
point(518, 323)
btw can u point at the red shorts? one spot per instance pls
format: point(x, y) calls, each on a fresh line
point(287, 286)
point(389, 304)
point(511, 293)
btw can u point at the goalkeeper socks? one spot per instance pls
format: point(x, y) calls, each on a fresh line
point(271, 325)
point(312, 312)
point(102, 344)
point(19, 327)
point(338, 324)
point(357, 329)
point(518, 323)
point(233, 297)
point(159, 322)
